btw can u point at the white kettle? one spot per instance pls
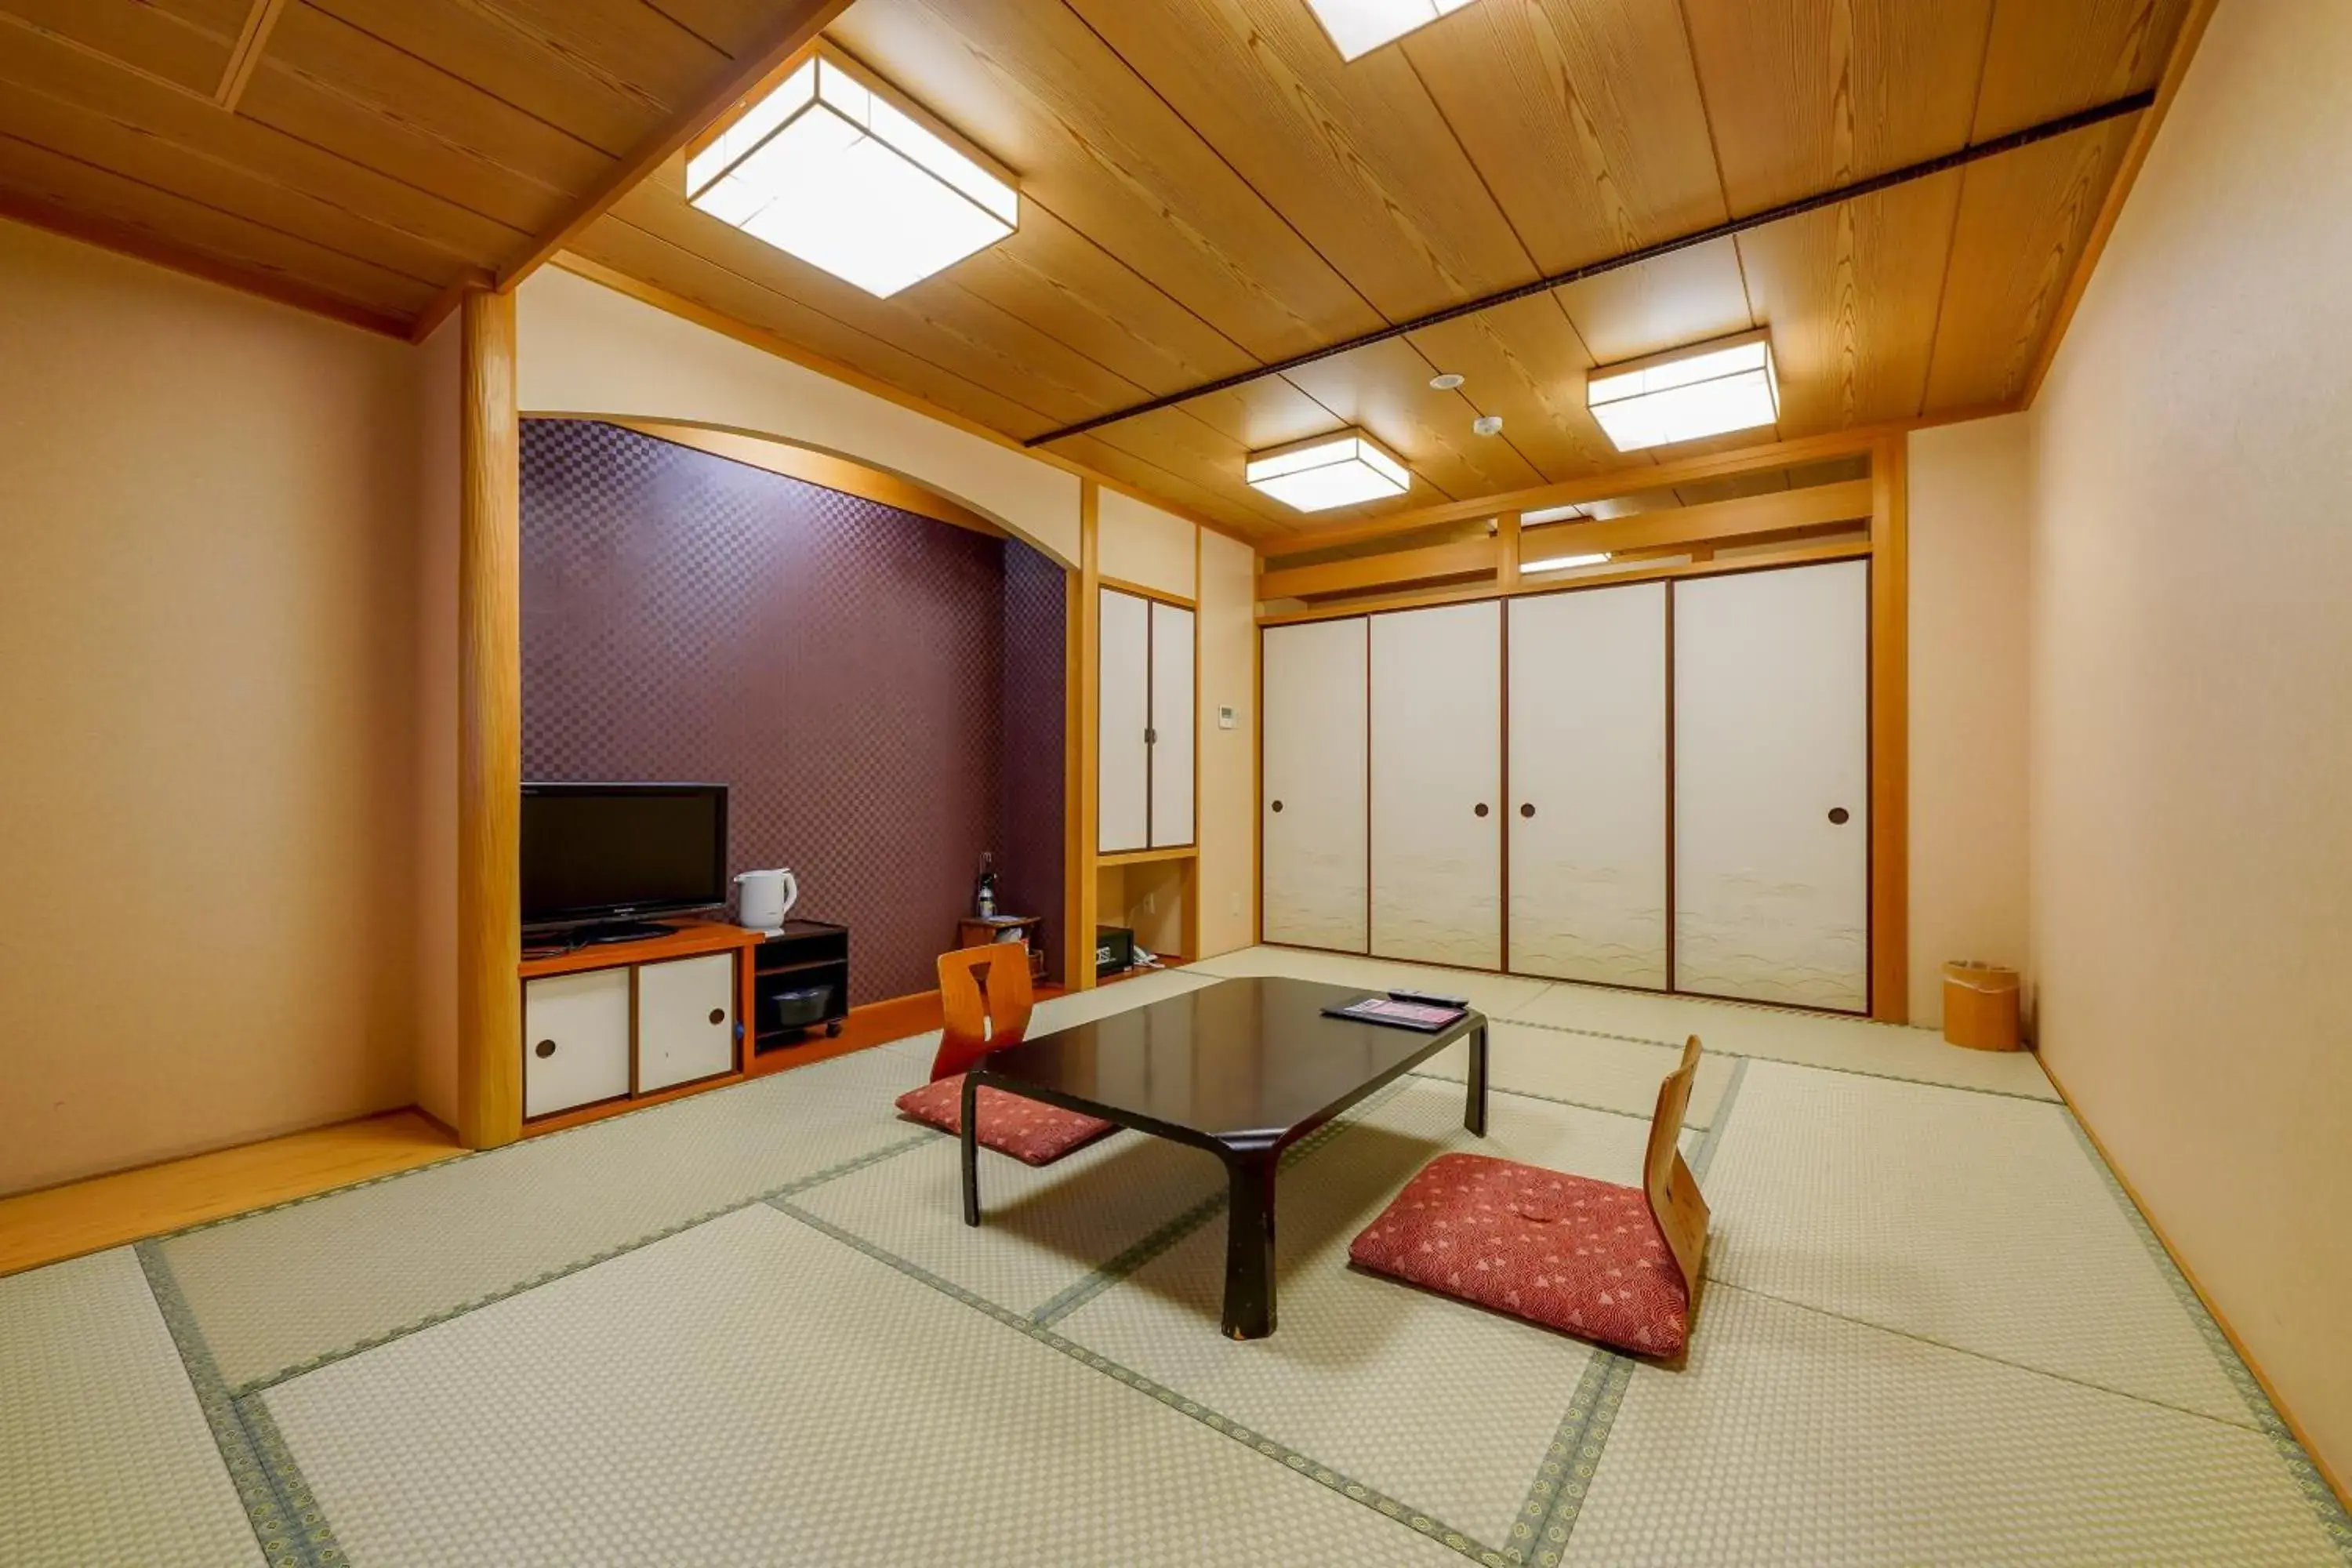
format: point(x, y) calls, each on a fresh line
point(768, 896)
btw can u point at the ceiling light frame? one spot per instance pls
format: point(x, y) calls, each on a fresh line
point(831, 164)
point(1356, 28)
point(1686, 394)
point(1339, 467)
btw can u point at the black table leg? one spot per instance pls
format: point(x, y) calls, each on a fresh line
point(1249, 1247)
point(970, 1141)
point(1474, 1115)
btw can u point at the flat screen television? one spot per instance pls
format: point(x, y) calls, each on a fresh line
point(600, 857)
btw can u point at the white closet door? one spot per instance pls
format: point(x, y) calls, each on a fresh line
point(1772, 786)
point(1122, 713)
point(1313, 713)
point(1437, 804)
point(1588, 771)
point(1171, 724)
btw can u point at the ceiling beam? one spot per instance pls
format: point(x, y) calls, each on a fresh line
point(247, 53)
point(2099, 114)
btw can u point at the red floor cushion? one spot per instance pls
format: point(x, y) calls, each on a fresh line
point(1568, 1252)
point(1031, 1131)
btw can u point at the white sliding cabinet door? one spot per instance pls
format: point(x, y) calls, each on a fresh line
point(1313, 715)
point(1172, 725)
point(1123, 758)
point(1588, 771)
point(1437, 804)
point(1772, 785)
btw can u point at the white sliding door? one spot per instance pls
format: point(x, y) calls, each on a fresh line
point(1123, 777)
point(1437, 804)
point(1313, 805)
point(1172, 725)
point(1588, 771)
point(1772, 785)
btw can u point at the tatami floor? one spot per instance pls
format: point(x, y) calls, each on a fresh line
point(748, 1327)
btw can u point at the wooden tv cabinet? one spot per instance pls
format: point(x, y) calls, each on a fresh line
point(615, 1026)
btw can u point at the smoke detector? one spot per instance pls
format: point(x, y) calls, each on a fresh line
point(1488, 424)
point(1445, 382)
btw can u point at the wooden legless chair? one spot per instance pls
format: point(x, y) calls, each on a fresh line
point(978, 1020)
point(1667, 1179)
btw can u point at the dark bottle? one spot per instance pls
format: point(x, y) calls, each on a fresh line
point(983, 897)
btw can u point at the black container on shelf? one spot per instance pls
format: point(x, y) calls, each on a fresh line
point(800, 981)
point(1114, 950)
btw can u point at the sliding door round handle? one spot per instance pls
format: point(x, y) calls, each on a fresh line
point(719, 1015)
point(1277, 805)
point(1839, 816)
point(1479, 809)
point(1527, 808)
point(545, 1049)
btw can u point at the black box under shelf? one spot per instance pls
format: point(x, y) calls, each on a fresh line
point(802, 975)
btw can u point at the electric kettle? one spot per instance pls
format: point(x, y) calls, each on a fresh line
point(766, 897)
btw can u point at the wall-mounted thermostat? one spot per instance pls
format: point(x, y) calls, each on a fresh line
point(1224, 718)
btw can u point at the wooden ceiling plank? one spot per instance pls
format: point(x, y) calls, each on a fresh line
point(250, 43)
point(2046, 61)
point(181, 46)
point(1384, 388)
point(1033, 84)
point(412, 220)
point(45, 175)
point(1687, 296)
point(1583, 118)
point(1355, 154)
point(628, 46)
point(653, 262)
point(1525, 361)
point(476, 43)
point(935, 319)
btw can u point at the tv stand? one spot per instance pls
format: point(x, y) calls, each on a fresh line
point(606, 932)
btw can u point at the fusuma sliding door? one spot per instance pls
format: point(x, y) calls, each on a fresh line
point(1313, 797)
point(1772, 785)
point(1588, 772)
point(1437, 804)
point(1172, 739)
point(1144, 722)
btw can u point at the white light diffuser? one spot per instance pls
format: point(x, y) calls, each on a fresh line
point(1360, 26)
point(1705, 390)
point(825, 168)
point(1562, 562)
point(1324, 471)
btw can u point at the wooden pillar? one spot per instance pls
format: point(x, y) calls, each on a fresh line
point(1086, 707)
point(1506, 552)
point(1890, 735)
point(489, 729)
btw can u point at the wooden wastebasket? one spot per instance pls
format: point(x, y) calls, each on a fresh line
point(1980, 1006)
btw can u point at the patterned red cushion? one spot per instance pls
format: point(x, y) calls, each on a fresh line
point(1565, 1251)
point(1031, 1131)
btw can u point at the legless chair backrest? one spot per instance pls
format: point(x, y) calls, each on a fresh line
point(1675, 1200)
point(980, 1022)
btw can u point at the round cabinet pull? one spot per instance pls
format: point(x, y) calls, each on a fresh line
point(545, 1049)
point(1277, 805)
point(719, 1015)
point(1479, 809)
point(1527, 808)
point(1839, 816)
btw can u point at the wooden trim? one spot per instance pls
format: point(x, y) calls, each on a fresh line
point(1506, 550)
point(799, 25)
point(1147, 857)
point(1465, 558)
point(1074, 948)
point(147, 248)
point(1196, 889)
point(2143, 136)
point(783, 348)
point(1890, 738)
point(2302, 1435)
point(1258, 758)
point(250, 44)
point(489, 730)
point(1158, 596)
point(686, 939)
point(1675, 528)
point(1087, 736)
point(1798, 556)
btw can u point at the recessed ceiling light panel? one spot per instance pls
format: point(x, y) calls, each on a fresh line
point(1563, 563)
point(1324, 471)
point(827, 168)
point(1705, 390)
point(1360, 26)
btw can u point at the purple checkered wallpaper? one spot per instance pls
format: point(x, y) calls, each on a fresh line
point(866, 681)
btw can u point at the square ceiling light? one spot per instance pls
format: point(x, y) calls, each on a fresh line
point(827, 168)
point(1705, 390)
point(1324, 471)
point(1360, 26)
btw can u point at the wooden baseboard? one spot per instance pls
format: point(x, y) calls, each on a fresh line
point(2270, 1390)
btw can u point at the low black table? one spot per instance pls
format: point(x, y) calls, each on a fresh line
point(1243, 1068)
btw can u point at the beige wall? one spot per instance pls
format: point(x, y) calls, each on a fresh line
point(2191, 778)
point(1968, 504)
point(1228, 804)
point(1145, 546)
point(207, 681)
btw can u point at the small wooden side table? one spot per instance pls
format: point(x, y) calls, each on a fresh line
point(974, 931)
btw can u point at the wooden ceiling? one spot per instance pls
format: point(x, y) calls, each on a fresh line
point(1206, 188)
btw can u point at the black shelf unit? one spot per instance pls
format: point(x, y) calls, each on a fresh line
point(804, 956)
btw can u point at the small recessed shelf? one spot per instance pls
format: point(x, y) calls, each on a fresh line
point(1145, 856)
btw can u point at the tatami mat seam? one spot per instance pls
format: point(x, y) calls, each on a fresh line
point(1420, 1520)
point(288, 1522)
point(1494, 1088)
point(2326, 1505)
point(1783, 1061)
point(547, 1277)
